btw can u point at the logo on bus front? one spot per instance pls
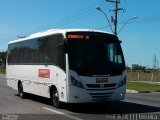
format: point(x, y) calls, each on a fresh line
point(101, 85)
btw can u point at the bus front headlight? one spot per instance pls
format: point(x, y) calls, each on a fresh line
point(76, 83)
point(122, 82)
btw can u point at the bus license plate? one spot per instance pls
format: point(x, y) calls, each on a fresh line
point(101, 80)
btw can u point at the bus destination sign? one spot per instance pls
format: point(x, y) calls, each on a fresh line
point(75, 36)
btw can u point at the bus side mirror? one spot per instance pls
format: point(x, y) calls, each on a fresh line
point(65, 47)
point(118, 49)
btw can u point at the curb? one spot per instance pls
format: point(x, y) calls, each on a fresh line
point(135, 91)
point(131, 91)
point(148, 82)
point(144, 92)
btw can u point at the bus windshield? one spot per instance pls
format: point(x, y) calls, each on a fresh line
point(93, 53)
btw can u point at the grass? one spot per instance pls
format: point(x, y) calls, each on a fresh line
point(141, 86)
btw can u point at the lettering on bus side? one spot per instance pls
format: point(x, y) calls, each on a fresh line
point(44, 73)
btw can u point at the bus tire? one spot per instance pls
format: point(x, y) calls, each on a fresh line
point(55, 99)
point(20, 90)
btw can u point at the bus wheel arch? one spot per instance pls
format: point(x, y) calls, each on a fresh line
point(54, 96)
point(20, 89)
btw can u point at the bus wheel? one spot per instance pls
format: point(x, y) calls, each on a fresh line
point(55, 99)
point(20, 90)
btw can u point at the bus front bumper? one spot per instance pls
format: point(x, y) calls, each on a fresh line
point(80, 95)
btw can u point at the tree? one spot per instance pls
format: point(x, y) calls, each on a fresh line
point(3, 57)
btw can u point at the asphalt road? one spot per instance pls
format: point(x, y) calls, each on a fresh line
point(39, 108)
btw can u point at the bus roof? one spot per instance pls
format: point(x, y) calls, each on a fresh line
point(55, 31)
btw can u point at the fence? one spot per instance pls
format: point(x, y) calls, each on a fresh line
point(139, 75)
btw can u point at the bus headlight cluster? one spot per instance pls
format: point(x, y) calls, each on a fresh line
point(122, 82)
point(76, 83)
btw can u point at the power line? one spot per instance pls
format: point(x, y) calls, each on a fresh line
point(149, 19)
point(145, 19)
point(82, 14)
point(142, 20)
point(75, 16)
point(87, 11)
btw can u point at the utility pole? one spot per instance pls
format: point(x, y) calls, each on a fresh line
point(115, 19)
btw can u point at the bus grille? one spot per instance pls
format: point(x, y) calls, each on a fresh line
point(101, 95)
point(104, 86)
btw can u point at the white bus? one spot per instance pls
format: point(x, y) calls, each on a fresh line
point(68, 66)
